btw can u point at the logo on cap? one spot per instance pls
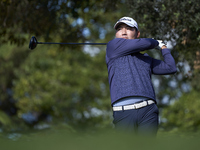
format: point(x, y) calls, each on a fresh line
point(124, 19)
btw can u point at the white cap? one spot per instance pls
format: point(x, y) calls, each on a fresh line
point(127, 20)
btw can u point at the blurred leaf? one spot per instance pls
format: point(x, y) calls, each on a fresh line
point(4, 119)
point(183, 115)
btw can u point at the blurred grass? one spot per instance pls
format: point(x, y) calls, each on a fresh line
point(64, 139)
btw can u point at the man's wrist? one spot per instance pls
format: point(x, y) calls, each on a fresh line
point(163, 47)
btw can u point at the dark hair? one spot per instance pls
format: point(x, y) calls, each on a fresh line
point(135, 28)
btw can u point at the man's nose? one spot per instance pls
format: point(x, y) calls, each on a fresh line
point(123, 30)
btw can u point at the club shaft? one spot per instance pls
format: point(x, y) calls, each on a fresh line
point(73, 43)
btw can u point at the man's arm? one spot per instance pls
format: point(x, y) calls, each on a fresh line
point(122, 47)
point(168, 66)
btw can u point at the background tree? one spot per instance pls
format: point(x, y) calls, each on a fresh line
point(69, 83)
point(183, 115)
point(54, 83)
point(177, 23)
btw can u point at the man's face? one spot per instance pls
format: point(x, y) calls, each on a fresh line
point(126, 32)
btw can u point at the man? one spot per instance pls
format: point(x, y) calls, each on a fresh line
point(129, 72)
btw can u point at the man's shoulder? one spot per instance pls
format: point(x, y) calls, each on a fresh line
point(113, 44)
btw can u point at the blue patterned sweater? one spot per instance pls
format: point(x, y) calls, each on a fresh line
point(129, 72)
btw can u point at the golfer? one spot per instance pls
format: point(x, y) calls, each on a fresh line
point(129, 72)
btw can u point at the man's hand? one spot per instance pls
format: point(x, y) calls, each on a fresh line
point(161, 45)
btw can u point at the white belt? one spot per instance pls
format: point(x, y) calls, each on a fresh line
point(133, 106)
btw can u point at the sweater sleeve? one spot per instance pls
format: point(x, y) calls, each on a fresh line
point(122, 47)
point(167, 66)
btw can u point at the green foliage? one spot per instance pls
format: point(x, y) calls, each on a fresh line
point(184, 114)
point(4, 120)
point(50, 18)
point(64, 84)
point(173, 20)
point(195, 80)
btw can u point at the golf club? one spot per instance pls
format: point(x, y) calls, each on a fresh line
point(33, 43)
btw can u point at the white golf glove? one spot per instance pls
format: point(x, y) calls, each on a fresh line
point(161, 43)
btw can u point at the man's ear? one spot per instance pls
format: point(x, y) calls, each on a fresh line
point(138, 34)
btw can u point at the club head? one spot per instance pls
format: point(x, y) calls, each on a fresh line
point(33, 43)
